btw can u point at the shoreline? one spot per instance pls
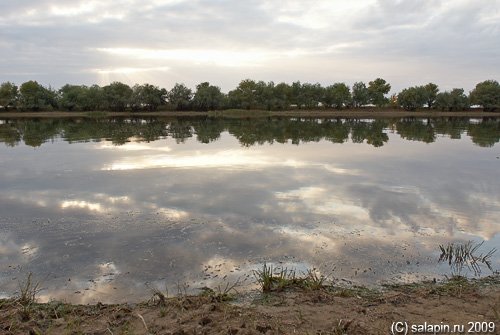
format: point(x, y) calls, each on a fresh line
point(352, 113)
point(296, 309)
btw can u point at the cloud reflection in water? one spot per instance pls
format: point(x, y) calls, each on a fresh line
point(102, 220)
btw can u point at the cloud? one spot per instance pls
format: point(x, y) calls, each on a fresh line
point(348, 207)
point(406, 42)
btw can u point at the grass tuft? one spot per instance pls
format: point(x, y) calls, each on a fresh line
point(459, 256)
point(27, 295)
point(277, 279)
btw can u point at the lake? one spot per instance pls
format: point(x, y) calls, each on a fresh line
point(97, 208)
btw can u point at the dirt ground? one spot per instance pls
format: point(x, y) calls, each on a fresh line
point(423, 308)
point(353, 113)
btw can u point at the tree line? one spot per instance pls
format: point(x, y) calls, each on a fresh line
point(249, 94)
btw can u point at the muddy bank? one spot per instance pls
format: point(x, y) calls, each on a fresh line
point(354, 113)
point(329, 310)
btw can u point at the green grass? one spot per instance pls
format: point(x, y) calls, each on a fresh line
point(279, 278)
point(27, 295)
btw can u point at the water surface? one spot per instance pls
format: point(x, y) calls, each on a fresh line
point(101, 207)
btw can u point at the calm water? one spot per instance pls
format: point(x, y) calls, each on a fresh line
point(100, 207)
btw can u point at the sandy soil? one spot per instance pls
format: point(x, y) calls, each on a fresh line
point(355, 113)
point(297, 311)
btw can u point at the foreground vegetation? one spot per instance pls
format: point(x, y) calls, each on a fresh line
point(289, 303)
point(297, 307)
point(249, 95)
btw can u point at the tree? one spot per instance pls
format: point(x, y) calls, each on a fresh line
point(117, 96)
point(147, 96)
point(246, 91)
point(233, 99)
point(443, 101)
point(282, 94)
point(393, 101)
point(487, 95)
point(338, 95)
point(377, 90)
point(91, 97)
point(359, 94)
point(265, 95)
point(180, 96)
point(34, 96)
point(455, 100)
point(297, 94)
point(8, 95)
point(70, 96)
point(207, 97)
point(311, 94)
point(459, 100)
point(432, 91)
point(412, 98)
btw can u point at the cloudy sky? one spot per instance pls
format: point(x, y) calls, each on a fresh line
point(453, 43)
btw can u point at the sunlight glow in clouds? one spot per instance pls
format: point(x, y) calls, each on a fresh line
point(73, 11)
point(198, 56)
point(130, 70)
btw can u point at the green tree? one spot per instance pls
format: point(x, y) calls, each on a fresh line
point(311, 94)
point(8, 95)
point(443, 101)
point(338, 95)
point(487, 95)
point(180, 96)
point(455, 100)
point(460, 100)
point(247, 93)
point(208, 97)
point(377, 90)
point(147, 96)
point(117, 96)
point(233, 99)
point(34, 96)
point(265, 95)
point(359, 94)
point(296, 95)
point(412, 98)
point(282, 95)
point(432, 92)
point(91, 98)
point(70, 96)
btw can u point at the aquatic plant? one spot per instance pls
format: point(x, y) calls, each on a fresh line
point(463, 255)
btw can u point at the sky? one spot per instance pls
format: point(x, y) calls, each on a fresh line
point(453, 43)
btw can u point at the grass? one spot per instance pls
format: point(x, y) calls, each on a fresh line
point(464, 255)
point(275, 279)
point(27, 295)
point(96, 114)
point(211, 308)
point(238, 113)
point(279, 278)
